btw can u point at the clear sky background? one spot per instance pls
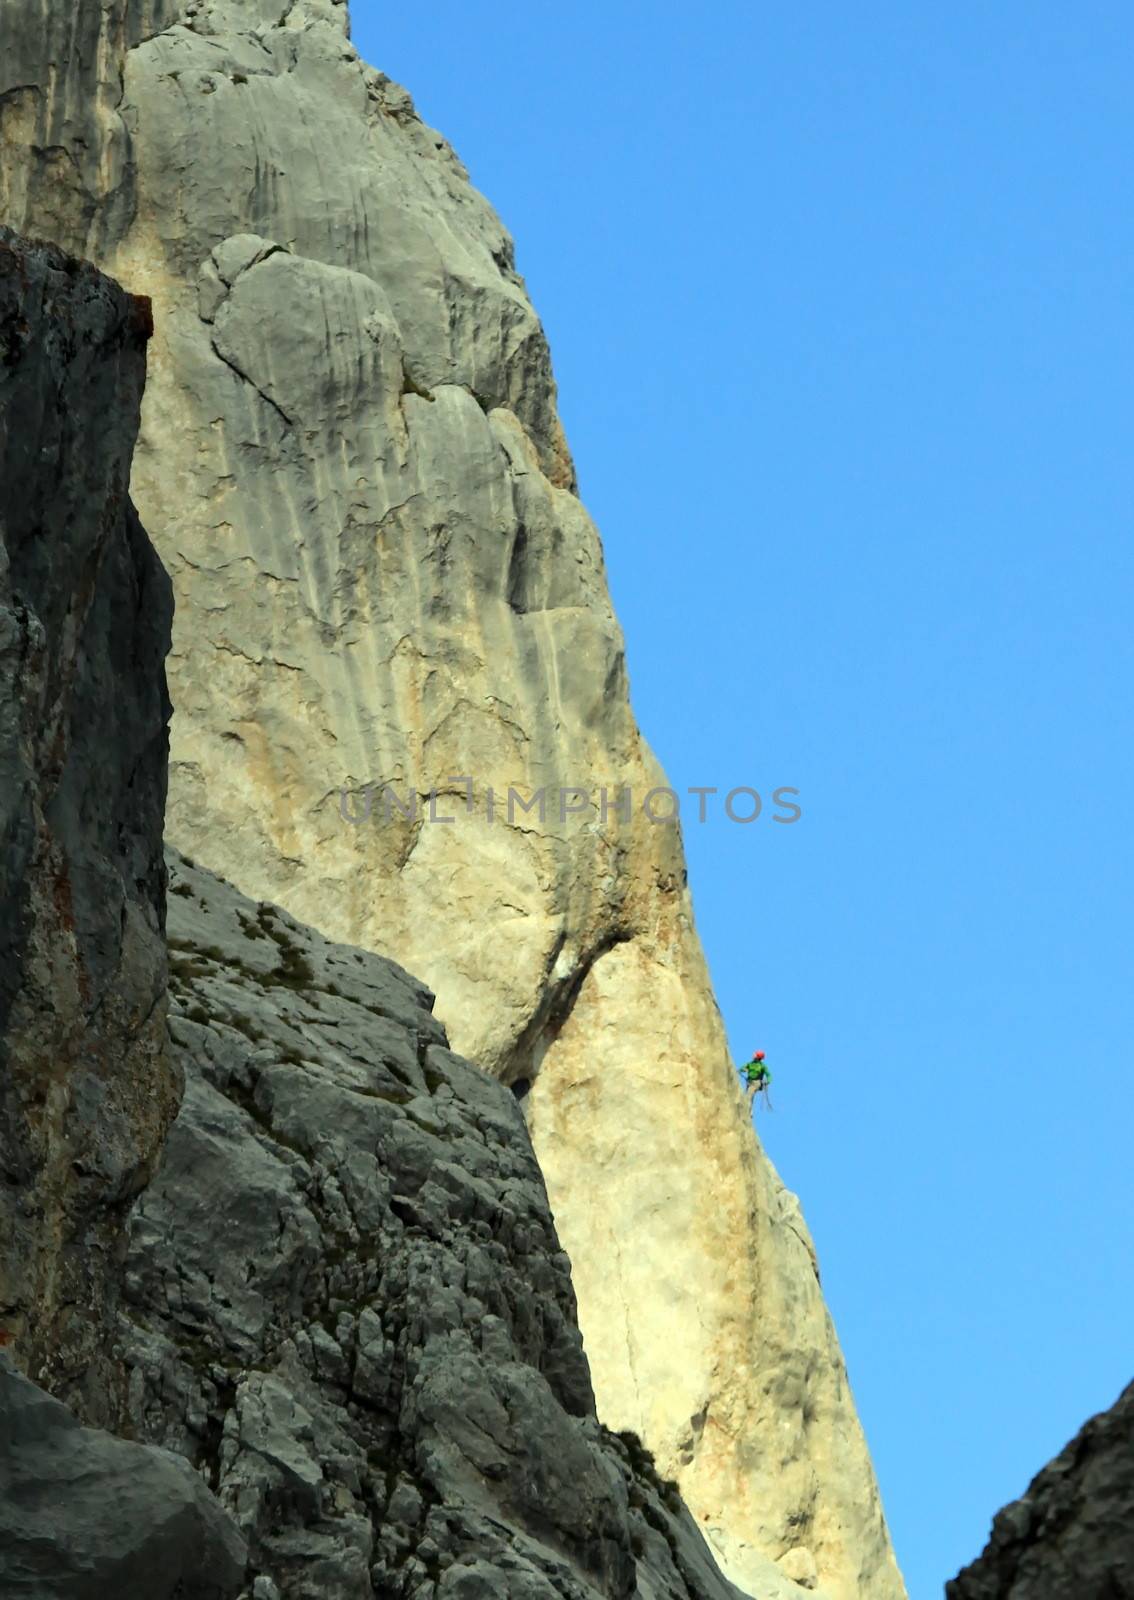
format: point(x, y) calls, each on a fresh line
point(840, 302)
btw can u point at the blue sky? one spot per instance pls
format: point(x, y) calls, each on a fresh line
point(840, 307)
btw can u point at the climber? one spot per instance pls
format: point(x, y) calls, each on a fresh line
point(757, 1077)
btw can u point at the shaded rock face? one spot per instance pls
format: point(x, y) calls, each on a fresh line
point(347, 1305)
point(87, 1089)
point(352, 463)
point(84, 1516)
point(1071, 1535)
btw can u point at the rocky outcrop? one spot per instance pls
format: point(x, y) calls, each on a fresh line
point(346, 1301)
point(352, 463)
point(1071, 1534)
point(84, 1516)
point(86, 1087)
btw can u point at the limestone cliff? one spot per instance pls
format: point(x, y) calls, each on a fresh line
point(1070, 1536)
point(346, 1307)
point(352, 463)
point(86, 1086)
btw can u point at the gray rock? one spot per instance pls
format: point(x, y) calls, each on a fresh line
point(346, 1302)
point(1071, 1534)
point(84, 1516)
point(87, 1088)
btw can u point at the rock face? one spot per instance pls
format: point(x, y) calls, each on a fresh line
point(86, 1087)
point(346, 1308)
point(352, 463)
point(346, 1301)
point(1071, 1535)
point(84, 1516)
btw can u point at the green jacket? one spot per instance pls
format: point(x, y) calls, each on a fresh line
point(756, 1072)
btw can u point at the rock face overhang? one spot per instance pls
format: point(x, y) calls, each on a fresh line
point(351, 461)
point(87, 1088)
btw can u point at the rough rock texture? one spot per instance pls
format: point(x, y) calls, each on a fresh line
point(84, 1516)
point(347, 1306)
point(86, 1086)
point(1071, 1535)
point(352, 463)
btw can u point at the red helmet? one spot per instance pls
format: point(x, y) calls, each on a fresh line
point(759, 1055)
